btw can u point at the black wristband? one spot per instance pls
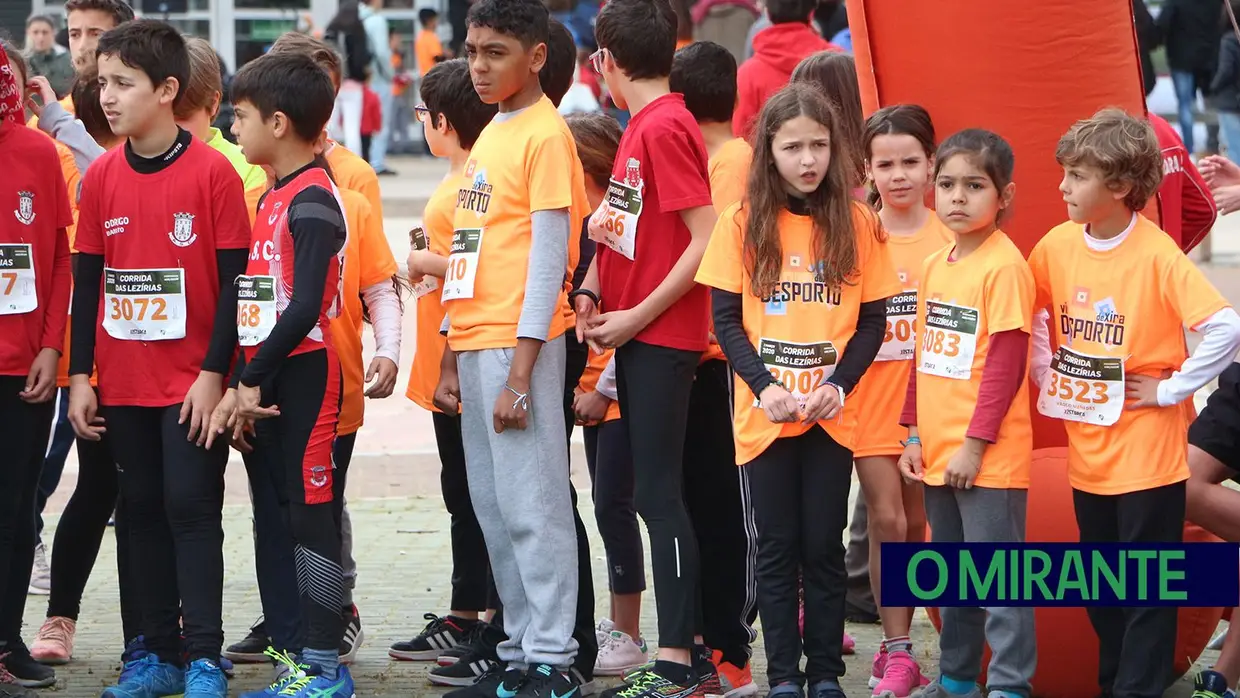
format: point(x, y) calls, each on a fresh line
point(598, 302)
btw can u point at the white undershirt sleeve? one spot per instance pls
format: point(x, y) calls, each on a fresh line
point(385, 318)
point(1217, 350)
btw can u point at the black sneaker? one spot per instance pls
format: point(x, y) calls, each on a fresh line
point(652, 684)
point(544, 681)
point(498, 682)
point(480, 657)
point(439, 636)
point(25, 669)
point(452, 655)
point(353, 637)
point(250, 650)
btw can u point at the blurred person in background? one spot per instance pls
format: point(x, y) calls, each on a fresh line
point(348, 35)
point(378, 33)
point(45, 58)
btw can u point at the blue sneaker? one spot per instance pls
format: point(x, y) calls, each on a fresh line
point(205, 679)
point(312, 684)
point(148, 678)
point(288, 671)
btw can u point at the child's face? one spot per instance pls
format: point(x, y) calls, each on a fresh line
point(802, 152)
point(130, 101)
point(499, 65)
point(439, 137)
point(1087, 195)
point(900, 169)
point(254, 134)
point(966, 199)
point(85, 28)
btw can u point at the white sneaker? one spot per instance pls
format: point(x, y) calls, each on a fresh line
point(618, 653)
point(41, 573)
point(602, 630)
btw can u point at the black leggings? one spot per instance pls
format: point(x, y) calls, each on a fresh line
point(799, 488)
point(174, 493)
point(610, 460)
point(471, 572)
point(296, 449)
point(80, 532)
point(653, 384)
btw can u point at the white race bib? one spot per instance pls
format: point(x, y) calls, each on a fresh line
point(256, 309)
point(1083, 388)
point(144, 304)
point(801, 367)
point(458, 283)
point(419, 241)
point(615, 222)
point(899, 342)
point(17, 289)
point(948, 341)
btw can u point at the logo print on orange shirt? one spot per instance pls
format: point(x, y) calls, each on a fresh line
point(1100, 323)
point(25, 208)
point(477, 196)
point(183, 234)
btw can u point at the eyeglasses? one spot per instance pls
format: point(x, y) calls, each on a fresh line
point(422, 113)
point(596, 60)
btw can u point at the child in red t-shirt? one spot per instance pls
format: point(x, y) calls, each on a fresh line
point(372, 118)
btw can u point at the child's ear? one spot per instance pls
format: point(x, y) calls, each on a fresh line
point(1009, 193)
point(168, 90)
point(538, 58)
point(1119, 190)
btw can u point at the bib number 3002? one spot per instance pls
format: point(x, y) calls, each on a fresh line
point(144, 304)
point(1083, 388)
point(18, 292)
point(458, 283)
point(801, 367)
point(948, 341)
point(256, 309)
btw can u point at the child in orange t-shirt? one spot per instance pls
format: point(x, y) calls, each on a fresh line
point(968, 401)
point(898, 147)
point(1120, 293)
point(799, 314)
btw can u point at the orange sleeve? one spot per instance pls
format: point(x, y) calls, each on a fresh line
point(1009, 299)
point(375, 259)
point(879, 279)
point(727, 183)
point(549, 174)
point(1041, 276)
point(722, 266)
point(252, 196)
point(1193, 298)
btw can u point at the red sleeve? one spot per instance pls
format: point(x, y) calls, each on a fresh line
point(1001, 379)
point(680, 168)
point(89, 237)
point(908, 417)
point(1197, 208)
point(230, 217)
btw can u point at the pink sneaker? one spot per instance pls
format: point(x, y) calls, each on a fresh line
point(54, 643)
point(850, 645)
point(880, 664)
point(901, 676)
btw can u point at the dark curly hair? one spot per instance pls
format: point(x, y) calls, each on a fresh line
point(525, 20)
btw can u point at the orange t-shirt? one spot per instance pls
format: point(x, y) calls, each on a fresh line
point(987, 292)
point(518, 165)
point(882, 389)
point(367, 261)
point(805, 328)
point(352, 172)
point(1092, 295)
point(589, 380)
point(437, 222)
point(426, 48)
point(728, 170)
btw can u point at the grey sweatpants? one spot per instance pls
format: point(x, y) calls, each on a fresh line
point(518, 482)
point(983, 515)
point(347, 563)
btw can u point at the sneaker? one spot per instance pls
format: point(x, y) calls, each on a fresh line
point(353, 637)
point(312, 684)
point(479, 659)
point(41, 572)
point(9, 688)
point(604, 627)
point(618, 653)
point(147, 677)
point(652, 684)
point(787, 689)
point(1209, 684)
point(287, 671)
point(826, 689)
point(734, 681)
point(850, 645)
point(135, 649)
point(54, 643)
point(251, 650)
point(545, 681)
point(439, 635)
point(205, 679)
point(452, 655)
point(935, 689)
point(879, 665)
point(490, 682)
point(901, 676)
point(25, 669)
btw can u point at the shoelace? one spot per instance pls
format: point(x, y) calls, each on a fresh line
point(295, 687)
point(56, 630)
point(295, 670)
point(204, 681)
point(436, 622)
point(640, 684)
point(899, 670)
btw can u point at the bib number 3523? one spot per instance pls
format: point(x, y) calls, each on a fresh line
point(256, 309)
point(458, 282)
point(144, 304)
point(948, 341)
point(17, 288)
point(1083, 388)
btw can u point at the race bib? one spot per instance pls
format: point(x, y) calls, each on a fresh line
point(899, 343)
point(144, 304)
point(419, 241)
point(458, 283)
point(948, 341)
point(801, 367)
point(17, 289)
point(256, 309)
point(1083, 388)
point(615, 222)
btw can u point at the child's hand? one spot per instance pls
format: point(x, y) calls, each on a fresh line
point(610, 330)
point(585, 310)
point(223, 417)
point(1219, 171)
point(823, 403)
point(41, 380)
point(1227, 198)
point(447, 395)
point(84, 410)
point(417, 264)
point(512, 411)
point(1142, 389)
point(962, 469)
point(248, 400)
point(910, 464)
point(200, 402)
point(383, 372)
point(779, 405)
point(590, 407)
point(39, 85)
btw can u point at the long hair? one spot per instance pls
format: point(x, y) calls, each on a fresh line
point(830, 205)
point(835, 74)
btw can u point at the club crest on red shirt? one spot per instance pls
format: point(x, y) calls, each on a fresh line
point(183, 234)
point(25, 208)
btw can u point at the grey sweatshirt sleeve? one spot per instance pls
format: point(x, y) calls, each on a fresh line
point(61, 125)
point(545, 277)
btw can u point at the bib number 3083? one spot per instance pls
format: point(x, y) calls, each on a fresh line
point(948, 341)
point(144, 304)
point(462, 272)
point(256, 309)
point(1083, 388)
point(17, 288)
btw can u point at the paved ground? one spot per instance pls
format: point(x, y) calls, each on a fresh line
point(401, 527)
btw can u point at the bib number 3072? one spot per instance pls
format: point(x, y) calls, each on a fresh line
point(948, 341)
point(144, 304)
point(17, 288)
point(458, 282)
point(1083, 388)
point(256, 309)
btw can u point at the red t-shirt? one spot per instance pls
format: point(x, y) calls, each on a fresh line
point(158, 234)
point(1188, 209)
point(661, 155)
point(34, 193)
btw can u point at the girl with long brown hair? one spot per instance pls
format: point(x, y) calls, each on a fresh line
point(835, 74)
point(800, 276)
